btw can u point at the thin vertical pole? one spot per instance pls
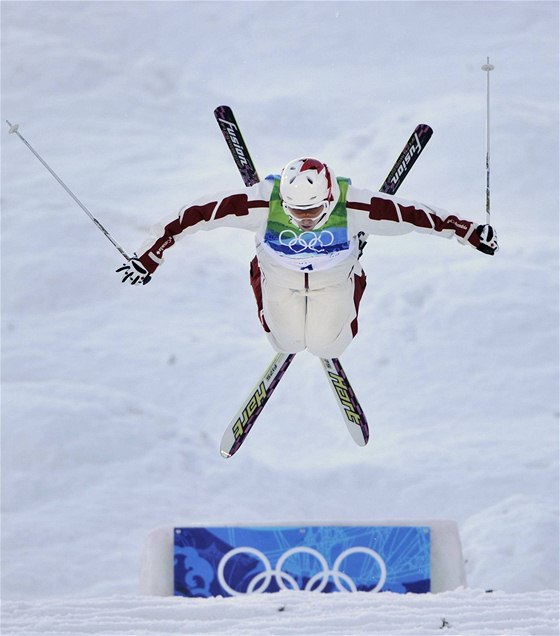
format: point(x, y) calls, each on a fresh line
point(487, 68)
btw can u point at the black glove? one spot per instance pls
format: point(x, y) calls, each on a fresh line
point(134, 272)
point(488, 239)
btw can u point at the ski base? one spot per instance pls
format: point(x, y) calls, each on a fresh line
point(239, 427)
point(353, 414)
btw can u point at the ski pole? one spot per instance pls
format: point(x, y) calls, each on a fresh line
point(487, 67)
point(14, 129)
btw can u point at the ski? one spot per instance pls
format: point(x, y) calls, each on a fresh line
point(411, 151)
point(236, 144)
point(239, 427)
point(348, 403)
point(240, 152)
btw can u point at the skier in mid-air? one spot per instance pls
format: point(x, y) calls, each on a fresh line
point(309, 228)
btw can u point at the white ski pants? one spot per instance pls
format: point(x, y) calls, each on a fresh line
point(324, 321)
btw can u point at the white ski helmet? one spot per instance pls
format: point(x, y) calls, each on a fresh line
point(307, 183)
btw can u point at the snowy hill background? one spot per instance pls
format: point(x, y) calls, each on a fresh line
point(114, 399)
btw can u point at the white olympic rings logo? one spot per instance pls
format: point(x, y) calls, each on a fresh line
point(261, 581)
point(306, 240)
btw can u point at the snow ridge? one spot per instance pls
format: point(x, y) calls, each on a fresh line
point(461, 612)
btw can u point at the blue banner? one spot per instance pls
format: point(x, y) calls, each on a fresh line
point(232, 561)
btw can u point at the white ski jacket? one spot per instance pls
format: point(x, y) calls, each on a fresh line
point(367, 212)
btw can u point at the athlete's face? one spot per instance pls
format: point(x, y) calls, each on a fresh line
point(307, 219)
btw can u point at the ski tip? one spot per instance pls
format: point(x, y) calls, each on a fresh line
point(426, 129)
point(225, 454)
point(361, 437)
point(219, 111)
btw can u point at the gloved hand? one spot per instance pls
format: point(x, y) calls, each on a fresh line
point(134, 272)
point(488, 239)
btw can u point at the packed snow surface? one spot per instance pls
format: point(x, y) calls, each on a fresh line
point(114, 399)
point(451, 613)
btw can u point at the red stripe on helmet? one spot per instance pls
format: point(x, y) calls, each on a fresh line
point(312, 164)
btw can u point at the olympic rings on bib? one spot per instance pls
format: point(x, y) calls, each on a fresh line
point(306, 241)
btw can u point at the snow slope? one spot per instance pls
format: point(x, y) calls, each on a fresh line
point(450, 613)
point(114, 399)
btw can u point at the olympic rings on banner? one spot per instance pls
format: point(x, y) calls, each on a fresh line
point(260, 582)
point(306, 241)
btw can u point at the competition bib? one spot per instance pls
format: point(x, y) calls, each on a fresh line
point(307, 250)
